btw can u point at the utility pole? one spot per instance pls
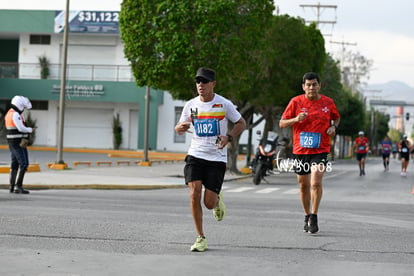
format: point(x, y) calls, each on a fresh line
point(343, 49)
point(319, 10)
point(343, 44)
point(146, 162)
point(373, 91)
point(60, 164)
point(374, 119)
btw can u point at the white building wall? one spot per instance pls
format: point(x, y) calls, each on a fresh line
point(29, 53)
point(41, 117)
point(101, 56)
point(87, 50)
point(128, 115)
point(166, 124)
point(52, 125)
point(84, 126)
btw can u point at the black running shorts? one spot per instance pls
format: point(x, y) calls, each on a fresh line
point(360, 156)
point(303, 163)
point(405, 156)
point(211, 173)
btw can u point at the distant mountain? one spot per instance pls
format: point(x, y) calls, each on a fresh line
point(393, 90)
point(397, 85)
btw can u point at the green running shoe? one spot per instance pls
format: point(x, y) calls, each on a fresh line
point(200, 244)
point(220, 210)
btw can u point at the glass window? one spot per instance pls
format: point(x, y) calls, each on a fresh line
point(40, 105)
point(40, 39)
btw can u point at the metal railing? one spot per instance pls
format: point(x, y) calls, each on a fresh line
point(74, 72)
point(9, 70)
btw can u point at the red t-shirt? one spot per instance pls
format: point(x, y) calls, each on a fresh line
point(361, 144)
point(309, 136)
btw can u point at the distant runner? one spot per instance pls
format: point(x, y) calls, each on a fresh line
point(404, 147)
point(362, 145)
point(386, 148)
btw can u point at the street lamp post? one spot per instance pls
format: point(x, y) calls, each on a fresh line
point(147, 115)
point(59, 159)
point(146, 161)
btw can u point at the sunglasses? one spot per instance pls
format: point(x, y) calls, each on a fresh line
point(201, 80)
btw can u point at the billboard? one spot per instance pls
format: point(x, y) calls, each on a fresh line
point(88, 21)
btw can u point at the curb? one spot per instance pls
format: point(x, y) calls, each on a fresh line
point(95, 187)
point(109, 186)
point(34, 167)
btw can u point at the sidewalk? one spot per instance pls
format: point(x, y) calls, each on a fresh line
point(166, 172)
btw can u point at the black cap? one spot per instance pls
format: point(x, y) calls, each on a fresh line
point(206, 73)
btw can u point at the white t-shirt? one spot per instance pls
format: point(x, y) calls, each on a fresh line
point(209, 120)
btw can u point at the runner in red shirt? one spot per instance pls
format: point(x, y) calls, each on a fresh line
point(361, 145)
point(314, 118)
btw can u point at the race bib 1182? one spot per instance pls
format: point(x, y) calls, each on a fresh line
point(207, 127)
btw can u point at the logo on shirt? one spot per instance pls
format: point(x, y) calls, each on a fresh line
point(217, 106)
point(325, 109)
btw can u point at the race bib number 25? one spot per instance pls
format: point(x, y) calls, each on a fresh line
point(207, 127)
point(310, 140)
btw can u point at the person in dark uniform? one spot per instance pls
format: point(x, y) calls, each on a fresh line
point(17, 138)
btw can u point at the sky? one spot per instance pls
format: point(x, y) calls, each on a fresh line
point(381, 31)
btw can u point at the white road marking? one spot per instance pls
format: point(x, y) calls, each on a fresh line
point(267, 190)
point(291, 191)
point(257, 190)
point(239, 190)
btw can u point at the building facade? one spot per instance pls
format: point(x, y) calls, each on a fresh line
point(99, 86)
point(99, 82)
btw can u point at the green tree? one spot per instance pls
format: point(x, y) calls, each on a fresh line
point(378, 126)
point(395, 135)
point(166, 41)
point(292, 49)
point(344, 98)
point(353, 115)
point(331, 81)
point(44, 67)
point(356, 69)
point(382, 125)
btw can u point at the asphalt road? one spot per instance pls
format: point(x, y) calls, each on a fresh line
point(367, 228)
